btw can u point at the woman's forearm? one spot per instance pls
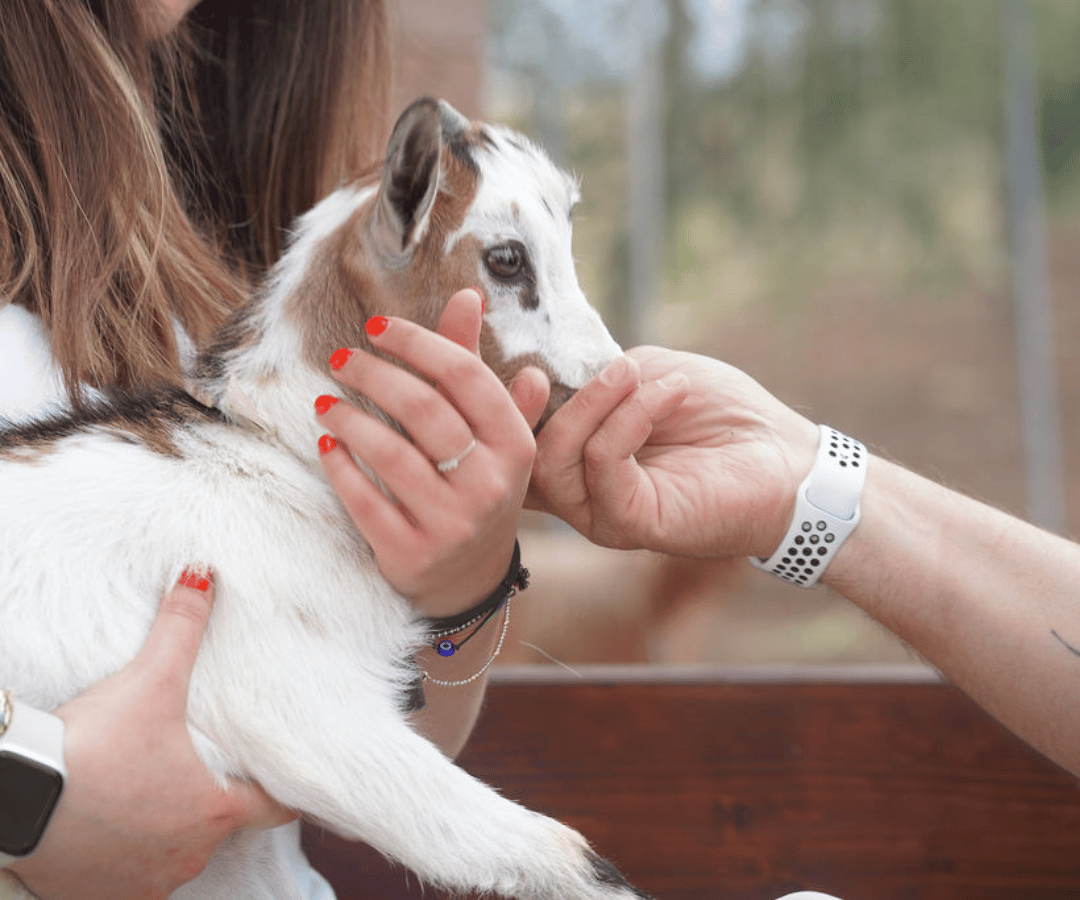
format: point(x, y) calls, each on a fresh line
point(450, 710)
point(991, 601)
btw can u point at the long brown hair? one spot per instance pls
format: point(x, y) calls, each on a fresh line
point(146, 181)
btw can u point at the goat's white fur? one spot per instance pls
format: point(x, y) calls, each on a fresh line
point(574, 346)
point(300, 679)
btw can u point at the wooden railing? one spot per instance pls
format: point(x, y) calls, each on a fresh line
point(867, 784)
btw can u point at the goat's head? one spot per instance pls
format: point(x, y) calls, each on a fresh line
point(462, 204)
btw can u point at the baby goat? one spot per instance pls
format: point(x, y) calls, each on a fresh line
point(301, 679)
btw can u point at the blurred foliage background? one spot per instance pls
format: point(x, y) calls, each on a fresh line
point(832, 218)
point(821, 140)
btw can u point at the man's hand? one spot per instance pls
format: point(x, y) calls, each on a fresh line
point(674, 452)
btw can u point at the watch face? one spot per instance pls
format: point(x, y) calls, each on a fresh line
point(28, 793)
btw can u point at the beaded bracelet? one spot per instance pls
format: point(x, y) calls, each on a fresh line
point(446, 647)
point(517, 579)
point(426, 676)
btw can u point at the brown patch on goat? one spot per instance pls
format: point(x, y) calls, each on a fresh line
point(238, 332)
point(347, 282)
point(150, 419)
point(507, 368)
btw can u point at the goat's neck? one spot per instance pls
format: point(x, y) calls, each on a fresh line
point(267, 385)
point(257, 371)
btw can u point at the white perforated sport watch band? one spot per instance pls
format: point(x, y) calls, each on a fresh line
point(826, 511)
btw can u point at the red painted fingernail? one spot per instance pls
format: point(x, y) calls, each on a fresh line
point(339, 359)
point(323, 403)
point(483, 301)
point(194, 580)
point(376, 325)
point(326, 444)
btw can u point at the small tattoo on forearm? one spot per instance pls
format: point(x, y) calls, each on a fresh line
point(1065, 643)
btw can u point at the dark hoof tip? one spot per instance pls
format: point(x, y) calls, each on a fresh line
point(607, 874)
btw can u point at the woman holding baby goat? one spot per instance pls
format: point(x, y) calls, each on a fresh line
point(148, 169)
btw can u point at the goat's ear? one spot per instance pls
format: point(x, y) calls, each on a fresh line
point(453, 122)
point(410, 178)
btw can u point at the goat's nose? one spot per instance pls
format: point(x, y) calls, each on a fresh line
point(587, 371)
point(560, 393)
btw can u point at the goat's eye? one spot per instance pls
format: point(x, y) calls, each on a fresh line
point(506, 260)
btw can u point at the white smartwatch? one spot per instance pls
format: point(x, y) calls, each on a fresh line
point(826, 511)
point(32, 775)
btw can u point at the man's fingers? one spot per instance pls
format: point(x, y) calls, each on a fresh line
point(563, 438)
point(615, 482)
point(558, 484)
point(629, 425)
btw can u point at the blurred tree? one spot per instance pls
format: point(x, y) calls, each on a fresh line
point(840, 135)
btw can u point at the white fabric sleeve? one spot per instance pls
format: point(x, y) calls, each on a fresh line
point(30, 383)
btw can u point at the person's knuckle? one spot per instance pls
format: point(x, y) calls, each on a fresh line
point(189, 867)
point(494, 493)
point(461, 368)
point(595, 452)
point(187, 603)
point(419, 405)
point(462, 531)
point(525, 456)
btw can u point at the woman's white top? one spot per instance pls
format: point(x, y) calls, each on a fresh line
point(30, 385)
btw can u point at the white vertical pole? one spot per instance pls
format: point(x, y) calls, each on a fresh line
point(645, 167)
point(1030, 275)
point(549, 105)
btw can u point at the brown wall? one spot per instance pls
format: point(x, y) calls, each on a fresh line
point(439, 51)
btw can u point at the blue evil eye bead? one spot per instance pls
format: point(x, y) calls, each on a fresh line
point(445, 648)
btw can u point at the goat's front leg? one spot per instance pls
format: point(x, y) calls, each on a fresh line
point(334, 745)
point(456, 833)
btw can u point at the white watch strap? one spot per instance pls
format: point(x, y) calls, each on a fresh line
point(36, 735)
point(826, 511)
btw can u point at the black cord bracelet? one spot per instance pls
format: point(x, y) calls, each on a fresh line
point(517, 579)
point(446, 647)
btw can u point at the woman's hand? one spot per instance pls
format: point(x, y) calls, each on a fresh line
point(140, 814)
point(445, 538)
point(674, 452)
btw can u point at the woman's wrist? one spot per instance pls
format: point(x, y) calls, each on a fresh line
point(516, 579)
point(468, 589)
point(453, 683)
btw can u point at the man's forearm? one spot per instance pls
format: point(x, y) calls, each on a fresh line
point(992, 601)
